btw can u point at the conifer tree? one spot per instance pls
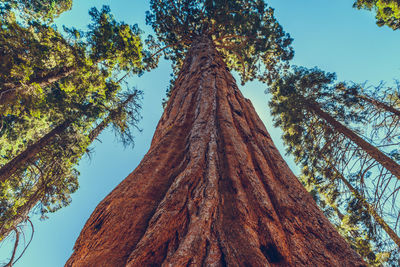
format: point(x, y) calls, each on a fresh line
point(37, 56)
point(86, 113)
point(52, 177)
point(212, 190)
point(54, 89)
point(80, 79)
point(387, 11)
point(350, 210)
point(353, 223)
point(299, 99)
point(305, 88)
point(257, 49)
point(44, 10)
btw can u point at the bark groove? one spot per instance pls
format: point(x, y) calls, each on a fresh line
point(212, 191)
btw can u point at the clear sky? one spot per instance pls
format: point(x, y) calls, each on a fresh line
point(328, 34)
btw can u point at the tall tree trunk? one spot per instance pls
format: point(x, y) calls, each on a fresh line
point(30, 152)
point(7, 94)
point(99, 128)
point(370, 209)
point(380, 105)
point(7, 226)
point(374, 152)
point(23, 211)
point(113, 113)
point(212, 191)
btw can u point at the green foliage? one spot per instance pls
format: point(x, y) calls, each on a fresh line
point(387, 11)
point(38, 55)
point(48, 180)
point(46, 10)
point(346, 218)
point(29, 54)
point(47, 80)
point(245, 32)
point(126, 116)
point(114, 43)
point(337, 172)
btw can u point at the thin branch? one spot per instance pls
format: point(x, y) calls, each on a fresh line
point(10, 263)
point(230, 37)
point(30, 240)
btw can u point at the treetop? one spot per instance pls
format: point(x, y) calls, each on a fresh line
point(45, 10)
point(245, 32)
point(387, 11)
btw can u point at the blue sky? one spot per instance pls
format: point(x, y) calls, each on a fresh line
point(328, 34)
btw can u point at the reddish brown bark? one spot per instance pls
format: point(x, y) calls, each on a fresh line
point(212, 191)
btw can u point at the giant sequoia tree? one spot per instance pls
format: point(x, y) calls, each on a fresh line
point(213, 190)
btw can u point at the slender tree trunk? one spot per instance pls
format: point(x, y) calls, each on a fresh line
point(8, 93)
point(375, 153)
point(50, 78)
point(212, 191)
point(104, 123)
point(99, 128)
point(354, 233)
point(30, 152)
point(23, 211)
point(381, 105)
point(371, 210)
point(21, 215)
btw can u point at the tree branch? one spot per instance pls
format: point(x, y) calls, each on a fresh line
point(168, 46)
point(10, 263)
point(30, 240)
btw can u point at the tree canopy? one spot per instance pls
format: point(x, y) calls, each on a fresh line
point(387, 11)
point(317, 115)
point(55, 88)
point(50, 78)
point(245, 32)
point(45, 10)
